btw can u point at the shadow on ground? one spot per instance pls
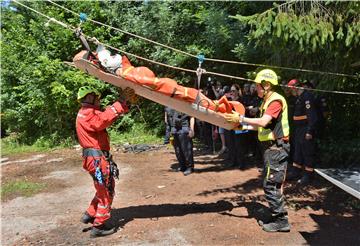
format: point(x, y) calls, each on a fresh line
point(243, 188)
point(340, 222)
point(121, 216)
point(334, 227)
point(255, 210)
point(334, 230)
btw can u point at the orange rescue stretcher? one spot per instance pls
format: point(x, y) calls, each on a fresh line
point(164, 91)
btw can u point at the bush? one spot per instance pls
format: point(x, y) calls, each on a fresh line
point(339, 153)
point(135, 135)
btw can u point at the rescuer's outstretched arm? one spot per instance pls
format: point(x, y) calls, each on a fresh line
point(248, 123)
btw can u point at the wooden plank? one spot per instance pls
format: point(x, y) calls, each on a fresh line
point(201, 113)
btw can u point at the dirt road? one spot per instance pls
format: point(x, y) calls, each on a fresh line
point(156, 206)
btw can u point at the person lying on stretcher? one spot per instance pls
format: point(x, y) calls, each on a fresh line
point(121, 66)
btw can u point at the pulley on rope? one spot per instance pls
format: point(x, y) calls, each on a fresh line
point(79, 34)
point(201, 58)
point(199, 72)
point(83, 17)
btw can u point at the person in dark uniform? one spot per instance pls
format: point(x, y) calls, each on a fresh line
point(273, 133)
point(322, 109)
point(291, 99)
point(305, 121)
point(182, 132)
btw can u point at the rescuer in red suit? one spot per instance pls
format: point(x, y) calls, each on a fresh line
point(91, 124)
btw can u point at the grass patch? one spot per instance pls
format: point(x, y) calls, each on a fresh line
point(13, 145)
point(20, 188)
point(136, 135)
point(8, 148)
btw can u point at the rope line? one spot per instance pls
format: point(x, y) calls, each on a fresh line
point(49, 18)
point(140, 57)
point(128, 53)
point(126, 32)
point(166, 65)
point(320, 90)
point(284, 68)
point(209, 59)
point(109, 46)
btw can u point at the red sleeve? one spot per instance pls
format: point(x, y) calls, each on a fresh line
point(121, 108)
point(274, 109)
point(102, 120)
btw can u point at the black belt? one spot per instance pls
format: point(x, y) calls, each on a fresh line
point(114, 171)
point(95, 152)
point(277, 143)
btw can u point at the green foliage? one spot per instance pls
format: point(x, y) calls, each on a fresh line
point(136, 134)
point(38, 99)
point(39, 91)
point(13, 144)
point(14, 147)
point(308, 29)
point(319, 36)
point(340, 152)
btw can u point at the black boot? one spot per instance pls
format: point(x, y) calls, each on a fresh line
point(181, 169)
point(242, 166)
point(188, 171)
point(293, 174)
point(306, 178)
point(266, 220)
point(86, 218)
point(279, 225)
point(100, 231)
point(230, 164)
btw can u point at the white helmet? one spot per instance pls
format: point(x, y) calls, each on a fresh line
point(107, 60)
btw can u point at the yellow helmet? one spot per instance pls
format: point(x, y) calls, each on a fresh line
point(267, 75)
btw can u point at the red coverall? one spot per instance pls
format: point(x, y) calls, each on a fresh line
point(144, 76)
point(91, 124)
